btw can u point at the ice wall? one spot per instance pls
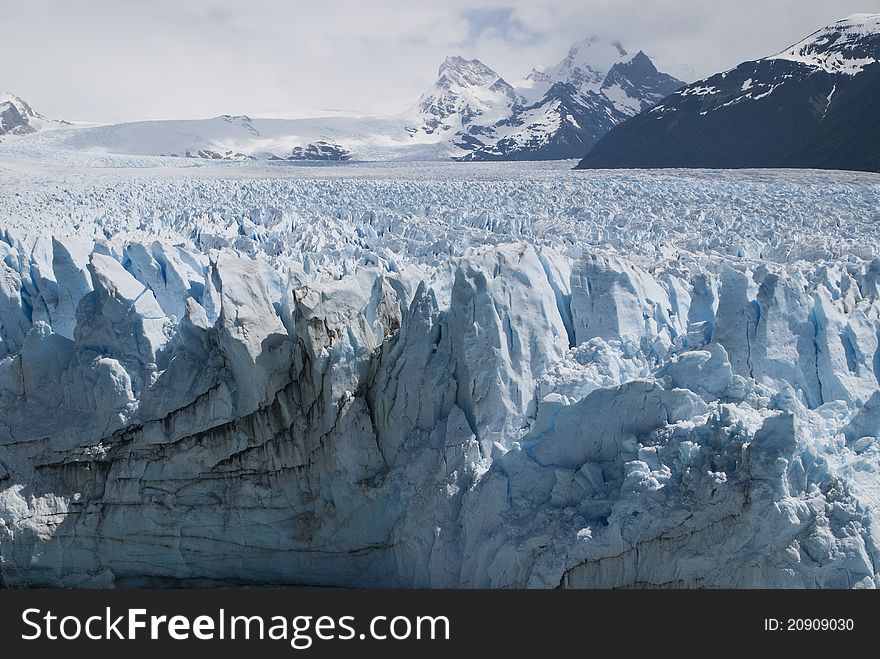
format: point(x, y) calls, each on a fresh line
point(364, 412)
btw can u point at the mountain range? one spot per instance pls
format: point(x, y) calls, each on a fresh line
point(813, 105)
point(469, 113)
point(554, 113)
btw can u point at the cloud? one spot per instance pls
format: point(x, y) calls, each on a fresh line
point(497, 23)
point(106, 60)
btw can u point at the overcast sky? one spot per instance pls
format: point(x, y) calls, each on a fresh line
point(118, 60)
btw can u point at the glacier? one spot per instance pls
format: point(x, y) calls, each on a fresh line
point(436, 375)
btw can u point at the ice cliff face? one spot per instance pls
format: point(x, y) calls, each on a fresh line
point(519, 377)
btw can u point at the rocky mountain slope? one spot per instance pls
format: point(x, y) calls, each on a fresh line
point(18, 118)
point(811, 105)
point(564, 109)
point(466, 90)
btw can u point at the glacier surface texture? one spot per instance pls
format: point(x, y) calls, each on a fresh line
point(446, 375)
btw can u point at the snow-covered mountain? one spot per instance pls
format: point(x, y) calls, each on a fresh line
point(634, 85)
point(845, 47)
point(566, 108)
point(554, 113)
point(469, 113)
point(18, 118)
point(466, 90)
point(811, 105)
point(565, 122)
point(585, 66)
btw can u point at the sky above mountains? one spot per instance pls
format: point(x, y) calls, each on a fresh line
point(105, 60)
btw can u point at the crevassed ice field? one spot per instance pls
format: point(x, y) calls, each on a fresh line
point(440, 375)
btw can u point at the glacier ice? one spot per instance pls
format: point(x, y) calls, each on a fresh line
point(437, 375)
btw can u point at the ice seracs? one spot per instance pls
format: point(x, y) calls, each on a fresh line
point(376, 375)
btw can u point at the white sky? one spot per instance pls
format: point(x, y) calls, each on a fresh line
point(119, 60)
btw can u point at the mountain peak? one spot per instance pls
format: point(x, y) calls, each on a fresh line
point(635, 84)
point(868, 23)
point(465, 89)
point(846, 46)
point(639, 64)
point(20, 105)
point(596, 43)
point(466, 72)
point(594, 53)
point(585, 66)
point(17, 117)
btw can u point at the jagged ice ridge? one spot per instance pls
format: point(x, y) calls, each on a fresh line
point(438, 375)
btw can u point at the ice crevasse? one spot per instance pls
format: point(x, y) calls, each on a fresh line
point(515, 415)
